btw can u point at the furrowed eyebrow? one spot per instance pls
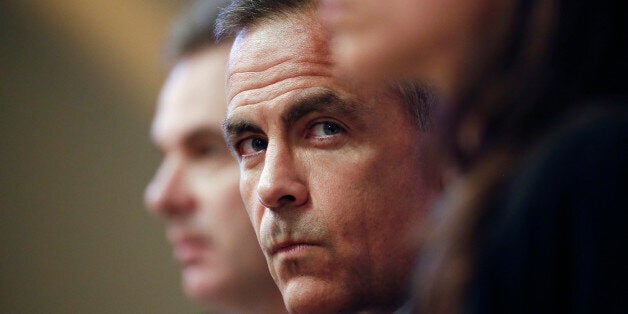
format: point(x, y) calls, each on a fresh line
point(325, 102)
point(233, 128)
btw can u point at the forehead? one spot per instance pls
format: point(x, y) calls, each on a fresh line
point(275, 55)
point(193, 95)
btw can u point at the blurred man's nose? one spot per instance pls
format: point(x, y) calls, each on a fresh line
point(168, 194)
point(280, 184)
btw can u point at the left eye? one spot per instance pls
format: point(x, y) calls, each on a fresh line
point(326, 129)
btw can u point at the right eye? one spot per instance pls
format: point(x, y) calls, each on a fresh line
point(206, 149)
point(251, 146)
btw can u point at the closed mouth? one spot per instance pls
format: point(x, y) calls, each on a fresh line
point(189, 249)
point(289, 246)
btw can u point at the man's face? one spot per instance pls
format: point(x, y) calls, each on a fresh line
point(196, 187)
point(331, 179)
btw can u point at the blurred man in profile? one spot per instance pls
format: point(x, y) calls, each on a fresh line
point(195, 190)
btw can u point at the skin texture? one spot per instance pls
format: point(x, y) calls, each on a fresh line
point(335, 191)
point(438, 41)
point(195, 191)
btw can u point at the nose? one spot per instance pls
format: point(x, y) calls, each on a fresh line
point(280, 185)
point(168, 194)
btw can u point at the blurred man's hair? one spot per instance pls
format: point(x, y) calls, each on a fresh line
point(193, 30)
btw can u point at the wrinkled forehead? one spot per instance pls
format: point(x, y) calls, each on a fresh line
point(276, 48)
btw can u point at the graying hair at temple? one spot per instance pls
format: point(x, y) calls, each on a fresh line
point(193, 30)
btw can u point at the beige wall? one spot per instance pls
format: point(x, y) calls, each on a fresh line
point(77, 87)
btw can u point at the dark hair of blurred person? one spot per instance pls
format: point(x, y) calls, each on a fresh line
point(535, 125)
point(195, 190)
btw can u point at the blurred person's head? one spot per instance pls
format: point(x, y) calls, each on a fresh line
point(422, 39)
point(498, 63)
point(333, 173)
point(195, 191)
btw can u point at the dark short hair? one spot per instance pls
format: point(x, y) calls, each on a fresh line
point(193, 30)
point(240, 14)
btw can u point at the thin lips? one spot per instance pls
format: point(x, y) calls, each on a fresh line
point(189, 240)
point(186, 245)
point(189, 251)
point(286, 244)
point(183, 238)
point(178, 234)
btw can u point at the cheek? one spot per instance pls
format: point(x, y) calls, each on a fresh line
point(339, 186)
point(222, 187)
point(248, 190)
point(220, 196)
point(235, 224)
point(383, 189)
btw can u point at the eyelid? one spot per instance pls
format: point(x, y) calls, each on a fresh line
point(322, 120)
point(234, 141)
point(238, 146)
point(237, 129)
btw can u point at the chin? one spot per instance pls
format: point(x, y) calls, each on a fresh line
point(313, 295)
point(201, 287)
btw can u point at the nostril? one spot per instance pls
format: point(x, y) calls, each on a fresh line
point(284, 200)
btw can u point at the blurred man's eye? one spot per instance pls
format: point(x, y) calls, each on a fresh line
point(203, 150)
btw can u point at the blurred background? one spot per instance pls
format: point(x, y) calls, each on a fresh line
point(78, 84)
